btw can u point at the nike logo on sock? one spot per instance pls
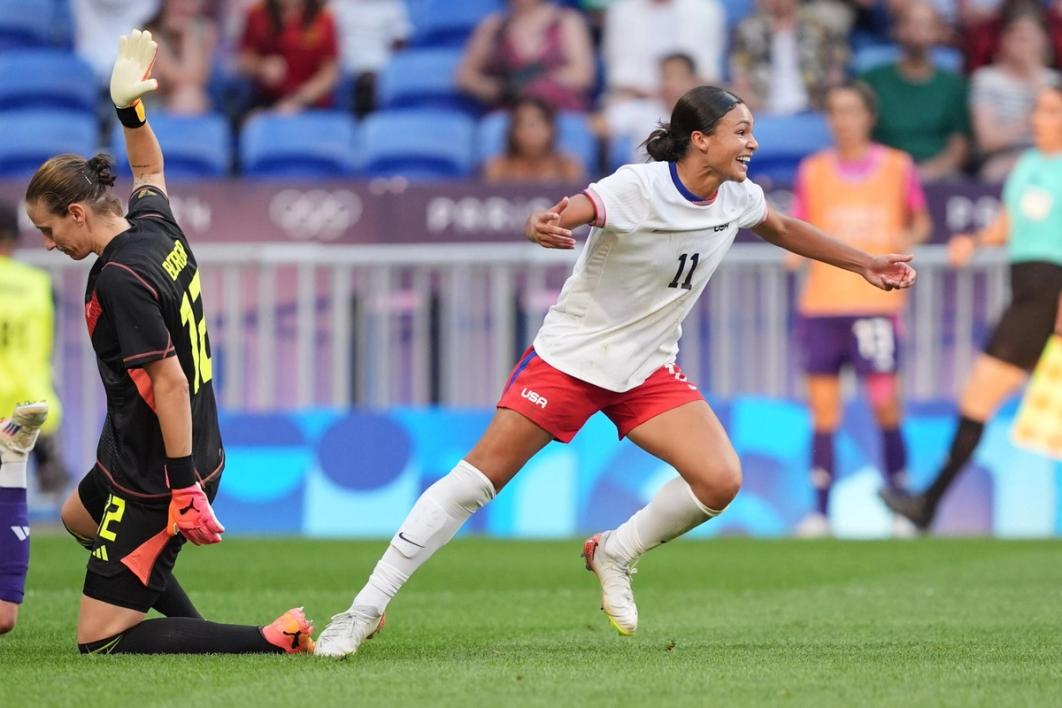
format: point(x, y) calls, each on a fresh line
point(403, 537)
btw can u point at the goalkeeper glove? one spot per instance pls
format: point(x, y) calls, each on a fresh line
point(130, 78)
point(191, 515)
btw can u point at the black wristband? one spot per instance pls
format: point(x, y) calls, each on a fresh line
point(132, 116)
point(180, 472)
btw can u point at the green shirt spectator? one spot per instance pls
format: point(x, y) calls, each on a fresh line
point(922, 108)
point(919, 117)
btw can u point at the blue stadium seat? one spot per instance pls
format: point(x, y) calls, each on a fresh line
point(421, 78)
point(448, 23)
point(416, 143)
point(873, 56)
point(784, 141)
point(47, 78)
point(737, 10)
point(194, 146)
point(573, 137)
point(26, 23)
point(311, 144)
point(30, 137)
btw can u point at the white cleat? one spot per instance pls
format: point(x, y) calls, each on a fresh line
point(617, 597)
point(18, 434)
point(347, 630)
point(813, 526)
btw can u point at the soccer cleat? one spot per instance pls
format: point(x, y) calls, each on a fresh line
point(18, 434)
point(347, 630)
point(914, 507)
point(291, 632)
point(813, 526)
point(617, 597)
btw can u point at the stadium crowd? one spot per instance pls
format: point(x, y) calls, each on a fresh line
point(586, 80)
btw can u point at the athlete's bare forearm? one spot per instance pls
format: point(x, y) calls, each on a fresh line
point(172, 405)
point(145, 157)
point(553, 228)
point(806, 240)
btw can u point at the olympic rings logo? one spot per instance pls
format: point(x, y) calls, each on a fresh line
point(315, 214)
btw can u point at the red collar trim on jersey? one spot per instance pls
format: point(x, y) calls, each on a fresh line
point(687, 194)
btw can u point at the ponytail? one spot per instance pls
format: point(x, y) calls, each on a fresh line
point(663, 146)
point(699, 109)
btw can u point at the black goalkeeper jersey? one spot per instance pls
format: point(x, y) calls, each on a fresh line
point(143, 303)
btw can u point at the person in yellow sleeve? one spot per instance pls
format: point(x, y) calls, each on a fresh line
point(27, 322)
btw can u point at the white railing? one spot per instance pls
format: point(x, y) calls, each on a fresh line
point(312, 325)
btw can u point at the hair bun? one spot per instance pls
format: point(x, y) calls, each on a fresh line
point(102, 168)
point(661, 144)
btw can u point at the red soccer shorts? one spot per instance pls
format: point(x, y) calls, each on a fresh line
point(561, 404)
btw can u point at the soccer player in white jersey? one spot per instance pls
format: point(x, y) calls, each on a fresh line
point(609, 344)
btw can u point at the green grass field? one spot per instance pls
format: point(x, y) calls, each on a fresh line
point(731, 622)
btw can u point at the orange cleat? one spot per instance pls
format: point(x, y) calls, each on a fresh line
point(291, 632)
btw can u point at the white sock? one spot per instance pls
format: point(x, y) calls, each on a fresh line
point(438, 514)
point(672, 512)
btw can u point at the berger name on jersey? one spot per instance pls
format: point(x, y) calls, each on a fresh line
point(650, 253)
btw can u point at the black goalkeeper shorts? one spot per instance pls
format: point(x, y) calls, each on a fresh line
point(132, 556)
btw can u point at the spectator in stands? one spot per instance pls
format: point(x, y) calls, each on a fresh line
point(982, 28)
point(786, 55)
point(638, 33)
point(289, 50)
point(1003, 95)
point(369, 31)
point(530, 153)
point(187, 38)
point(535, 49)
point(634, 119)
point(99, 23)
point(920, 104)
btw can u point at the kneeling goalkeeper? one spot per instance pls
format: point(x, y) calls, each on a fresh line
point(160, 455)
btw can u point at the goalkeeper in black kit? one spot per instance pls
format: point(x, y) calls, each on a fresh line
point(160, 455)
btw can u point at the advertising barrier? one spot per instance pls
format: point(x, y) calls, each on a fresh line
point(397, 211)
point(357, 473)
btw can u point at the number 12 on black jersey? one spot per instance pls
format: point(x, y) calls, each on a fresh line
point(687, 284)
point(197, 334)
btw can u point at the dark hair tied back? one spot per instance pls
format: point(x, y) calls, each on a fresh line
point(699, 109)
point(101, 170)
point(662, 146)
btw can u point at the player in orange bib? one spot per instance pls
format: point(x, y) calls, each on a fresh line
point(869, 196)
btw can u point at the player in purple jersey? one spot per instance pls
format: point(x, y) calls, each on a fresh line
point(17, 437)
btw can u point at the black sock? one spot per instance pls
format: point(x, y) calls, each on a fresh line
point(183, 635)
point(967, 435)
point(172, 602)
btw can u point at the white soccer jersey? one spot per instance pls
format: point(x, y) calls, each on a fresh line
point(651, 251)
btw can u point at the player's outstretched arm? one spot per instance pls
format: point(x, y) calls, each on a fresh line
point(885, 272)
point(552, 228)
point(190, 510)
point(131, 80)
